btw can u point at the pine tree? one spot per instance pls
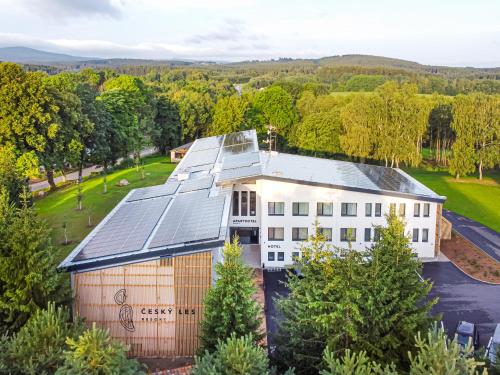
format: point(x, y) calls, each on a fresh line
point(233, 356)
point(94, 353)
point(229, 304)
point(438, 355)
point(28, 277)
point(354, 364)
point(394, 296)
point(38, 348)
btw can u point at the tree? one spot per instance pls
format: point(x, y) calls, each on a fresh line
point(440, 133)
point(229, 115)
point(195, 112)
point(229, 304)
point(353, 364)
point(28, 277)
point(14, 171)
point(364, 82)
point(235, 355)
point(38, 348)
point(476, 122)
point(438, 355)
point(166, 131)
point(95, 353)
point(372, 301)
point(276, 108)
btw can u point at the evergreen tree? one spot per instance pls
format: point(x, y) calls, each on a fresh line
point(166, 131)
point(94, 353)
point(229, 115)
point(353, 364)
point(229, 304)
point(394, 297)
point(28, 277)
point(233, 356)
point(38, 348)
point(437, 355)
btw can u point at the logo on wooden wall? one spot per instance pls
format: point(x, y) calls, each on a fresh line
point(126, 313)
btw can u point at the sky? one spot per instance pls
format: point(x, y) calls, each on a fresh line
point(437, 32)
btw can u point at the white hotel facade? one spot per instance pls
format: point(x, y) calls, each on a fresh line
point(144, 270)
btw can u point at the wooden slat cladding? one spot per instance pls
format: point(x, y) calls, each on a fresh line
point(155, 307)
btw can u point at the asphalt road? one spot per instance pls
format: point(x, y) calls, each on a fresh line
point(73, 176)
point(463, 298)
point(460, 298)
point(483, 237)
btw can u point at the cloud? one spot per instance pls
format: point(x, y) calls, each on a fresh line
point(63, 9)
point(232, 30)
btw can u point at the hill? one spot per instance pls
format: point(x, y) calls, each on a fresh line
point(25, 55)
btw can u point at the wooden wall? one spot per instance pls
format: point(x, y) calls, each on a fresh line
point(154, 307)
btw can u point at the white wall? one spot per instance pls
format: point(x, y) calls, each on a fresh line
point(277, 191)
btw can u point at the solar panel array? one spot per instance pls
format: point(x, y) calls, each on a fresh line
point(207, 143)
point(192, 217)
point(127, 230)
point(197, 184)
point(390, 179)
point(168, 188)
point(229, 174)
point(193, 159)
point(242, 160)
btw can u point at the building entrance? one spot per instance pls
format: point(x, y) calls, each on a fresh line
point(247, 235)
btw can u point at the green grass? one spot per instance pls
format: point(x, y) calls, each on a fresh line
point(478, 200)
point(60, 206)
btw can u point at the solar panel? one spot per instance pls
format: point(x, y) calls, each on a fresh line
point(192, 217)
point(127, 230)
point(242, 160)
point(207, 143)
point(197, 184)
point(230, 174)
point(198, 168)
point(246, 136)
point(390, 179)
point(168, 188)
point(197, 158)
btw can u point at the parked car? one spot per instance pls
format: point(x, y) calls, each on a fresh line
point(466, 331)
point(494, 345)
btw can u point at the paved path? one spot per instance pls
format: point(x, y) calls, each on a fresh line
point(73, 176)
point(483, 237)
point(463, 298)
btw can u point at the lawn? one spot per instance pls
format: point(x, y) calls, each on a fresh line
point(478, 200)
point(60, 206)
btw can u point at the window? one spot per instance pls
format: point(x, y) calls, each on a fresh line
point(392, 208)
point(236, 203)
point(324, 209)
point(244, 203)
point(368, 234)
point(376, 234)
point(349, 209)
point(281, 256)
point(368, 209)
point(427, 209)
point(270, 256)
point(347, 234)
point(253, 203)
point(402, 209)
point(425, 235)
point(295, 255)
point(416, 210)
point(299, 234)
point(300, 209)
point(378, 209)
point(415, 235)
point(276, 208)
point(275, 234)
point(326, 232)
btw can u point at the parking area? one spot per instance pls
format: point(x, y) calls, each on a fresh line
point(460, 298)
point(463, 298)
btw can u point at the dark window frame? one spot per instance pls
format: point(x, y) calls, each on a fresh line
point(425, 238)
point(281, 256)
point(320, 208)
point(298, 205)
point(269, 256)
point(402, 210)
point(344, 209)
point(236, 203)
point(296, 234)
point(253, 203)
point(416, 209)
point(273, 205)
point(368, 209)
point(322, 230)
point(415, 233)
point(369, 232)
point(244, 203)
point(273, 237)
point(378, 209)
point(427, 210)
point(344, 235)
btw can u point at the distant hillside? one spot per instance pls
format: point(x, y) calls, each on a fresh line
point(25, 55)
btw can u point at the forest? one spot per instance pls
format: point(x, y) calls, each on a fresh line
point(386, 115)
